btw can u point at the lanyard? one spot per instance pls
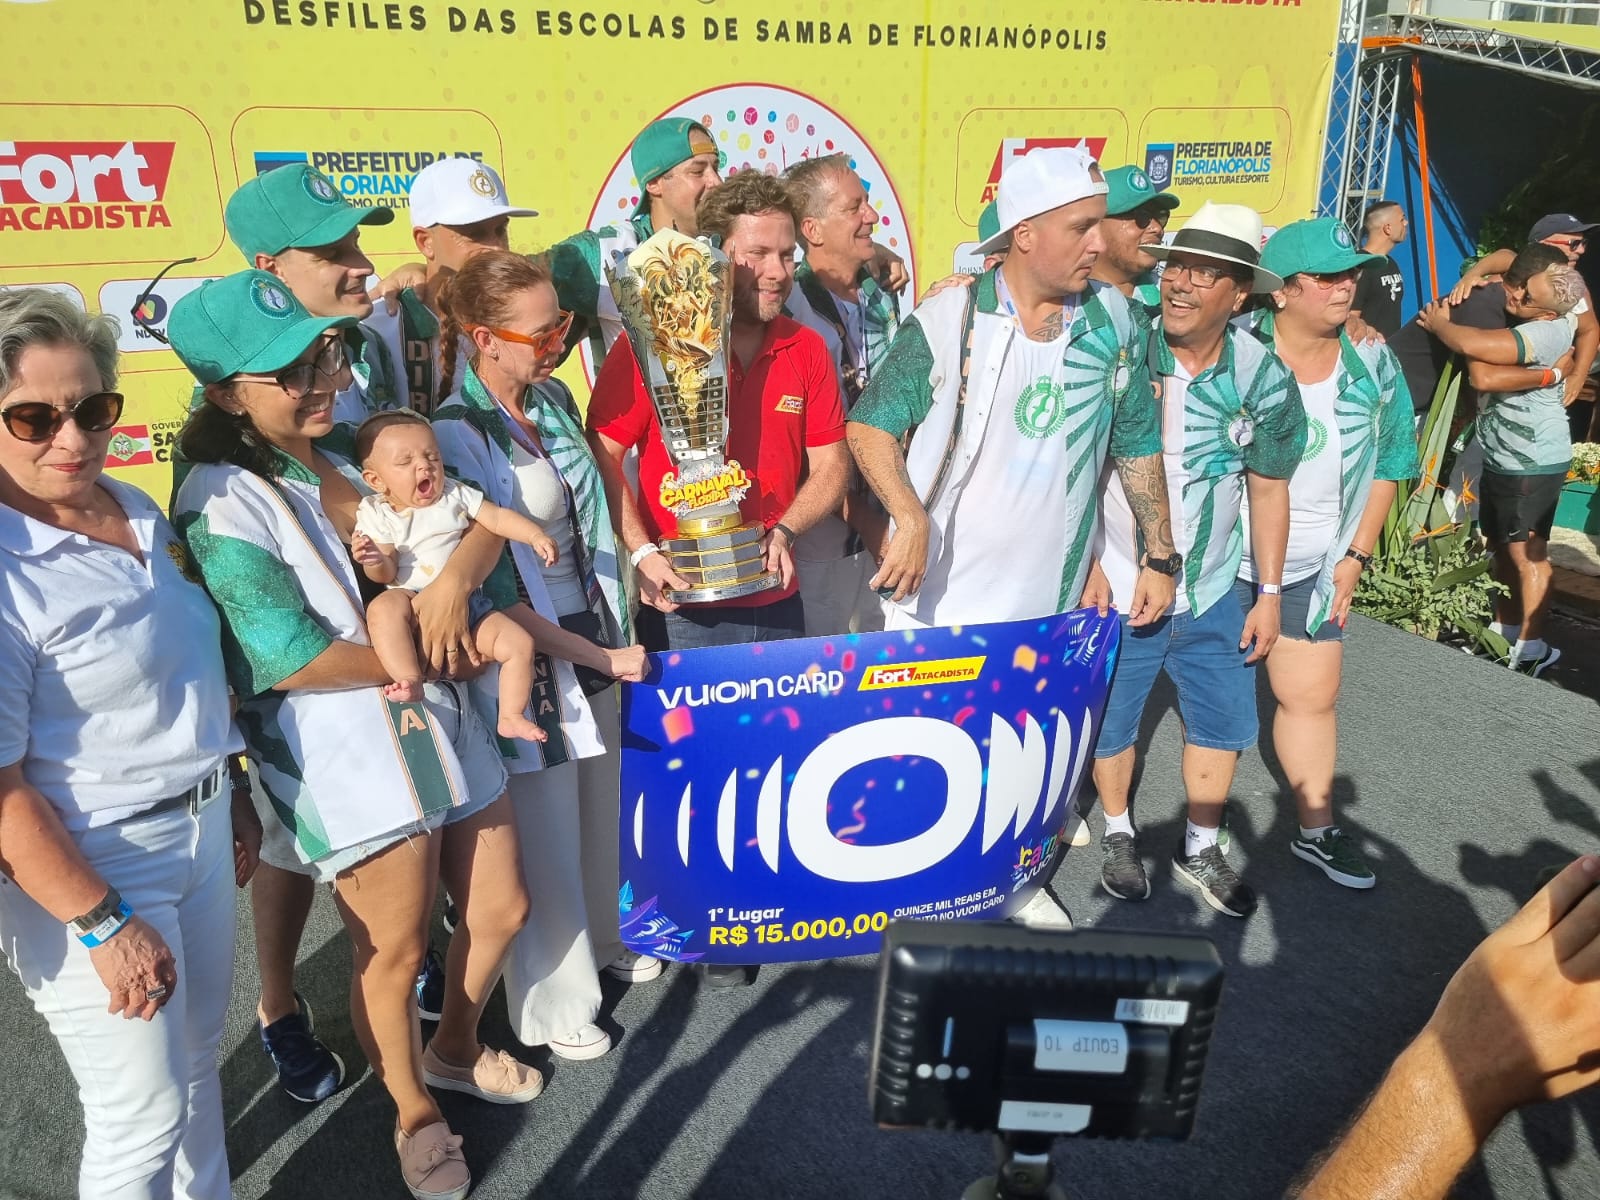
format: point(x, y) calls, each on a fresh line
point(1069, 310)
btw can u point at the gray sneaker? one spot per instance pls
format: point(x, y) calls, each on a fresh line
point(1218, 883)
point(1338, 857)
point(1121, 872)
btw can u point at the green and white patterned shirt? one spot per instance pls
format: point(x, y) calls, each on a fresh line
point(1095, 400)
point(578, 271)
point(1526, 433)
point(1241, 413)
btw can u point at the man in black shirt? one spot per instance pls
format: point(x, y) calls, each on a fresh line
point(1381, 289)
point(1423, 356)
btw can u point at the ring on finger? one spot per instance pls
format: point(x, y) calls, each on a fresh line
point(158, 992)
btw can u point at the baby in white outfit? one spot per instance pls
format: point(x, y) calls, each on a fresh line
point(404, 535)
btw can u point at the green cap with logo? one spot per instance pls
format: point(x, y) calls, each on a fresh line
point(988, 222)
point(1129, 188)
point(244, 322)
point(662, 145)
point(295, 206)
point(1320, 247)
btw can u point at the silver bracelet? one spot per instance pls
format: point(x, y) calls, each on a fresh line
point(642, 553)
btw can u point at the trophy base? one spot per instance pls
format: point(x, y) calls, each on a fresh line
point(717, 593)
point(719, 566)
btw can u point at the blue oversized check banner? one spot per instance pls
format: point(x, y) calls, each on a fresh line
point(785, 801)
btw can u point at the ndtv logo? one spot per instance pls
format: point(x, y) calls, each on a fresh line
point(84, 185)
point(1012, 149)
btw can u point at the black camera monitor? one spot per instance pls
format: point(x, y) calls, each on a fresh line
point(986, 1025)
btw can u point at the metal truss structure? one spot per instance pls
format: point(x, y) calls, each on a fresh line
point(1371, 58)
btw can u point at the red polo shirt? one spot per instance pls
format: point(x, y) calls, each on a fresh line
point(786, 401)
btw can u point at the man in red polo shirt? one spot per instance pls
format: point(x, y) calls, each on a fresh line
point(785, 425)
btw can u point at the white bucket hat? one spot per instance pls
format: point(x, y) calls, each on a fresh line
point(1041, 180)
point(1229, 233)
point(460, 191)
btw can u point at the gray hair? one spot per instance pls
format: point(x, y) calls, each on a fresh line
point(31, 316)
point(808, 181)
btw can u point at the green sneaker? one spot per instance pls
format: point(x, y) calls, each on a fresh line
point(1338, 857)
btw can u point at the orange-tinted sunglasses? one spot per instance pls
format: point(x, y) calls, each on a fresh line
point(546, 341)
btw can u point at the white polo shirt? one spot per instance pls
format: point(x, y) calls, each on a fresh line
point(112, 691)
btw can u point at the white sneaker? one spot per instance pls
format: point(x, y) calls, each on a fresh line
point(633, 968)
point(587, 1041)
point(1078, 830)
point(1042, 912)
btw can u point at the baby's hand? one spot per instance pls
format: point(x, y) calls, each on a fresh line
point(545, 548)
point(365, 551)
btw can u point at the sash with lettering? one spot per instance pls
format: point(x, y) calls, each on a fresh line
point(339, 768)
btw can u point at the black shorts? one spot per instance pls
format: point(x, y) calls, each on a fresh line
point(1511, 508)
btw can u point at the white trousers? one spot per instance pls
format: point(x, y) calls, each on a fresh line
point(836, 596)
point(567, 829)
point(152, 1100)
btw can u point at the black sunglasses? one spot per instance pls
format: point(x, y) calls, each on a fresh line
point(36, 421)
point(299, 379)
point(138, 305)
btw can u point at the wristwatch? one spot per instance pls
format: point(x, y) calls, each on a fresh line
point(1169, 565)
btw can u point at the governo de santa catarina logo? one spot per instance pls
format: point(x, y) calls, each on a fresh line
point(270, 299)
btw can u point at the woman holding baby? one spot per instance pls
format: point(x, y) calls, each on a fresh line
point(380, 798)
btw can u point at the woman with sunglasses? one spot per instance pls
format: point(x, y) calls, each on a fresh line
point(1359, 444)
point(116, 867)
point(514, 433)
point(379, 798)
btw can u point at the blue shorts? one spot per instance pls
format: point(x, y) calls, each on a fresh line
point(1296, 609)
point(1201, 655)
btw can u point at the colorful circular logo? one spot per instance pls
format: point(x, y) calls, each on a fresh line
point(480, 182)
point(1316, 439)
point(1241, 431)
point(1139, 179)
point(269, 299)
point(1042, 408)
point(1342, 238)
point(320, 188)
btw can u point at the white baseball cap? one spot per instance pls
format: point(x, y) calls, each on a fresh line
point(460, 191)
point(1041, 180)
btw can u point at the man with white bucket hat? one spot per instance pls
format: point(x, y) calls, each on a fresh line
point(1013, 391)
point(1232, 422)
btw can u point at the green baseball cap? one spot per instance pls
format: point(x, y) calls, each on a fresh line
point(1131, 187)
point(289, 206)
point(1321, 246)
point(662, 145)
point(248, 321)
point(988, 222)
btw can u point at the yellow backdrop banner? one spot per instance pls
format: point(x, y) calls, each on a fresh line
point(125, 127)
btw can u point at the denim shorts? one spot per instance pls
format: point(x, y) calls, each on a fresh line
point(1201, 655)
point(1296, 608)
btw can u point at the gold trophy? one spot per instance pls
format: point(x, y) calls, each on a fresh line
point(673, 293)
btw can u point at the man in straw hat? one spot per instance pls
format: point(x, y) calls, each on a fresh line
point(1013, 390)
point(1232, 422)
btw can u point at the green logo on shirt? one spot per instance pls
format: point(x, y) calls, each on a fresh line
point(1316, 439)
point(1042, 408)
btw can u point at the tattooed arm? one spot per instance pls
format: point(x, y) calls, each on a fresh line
point(883, 466)
point(1144, 483)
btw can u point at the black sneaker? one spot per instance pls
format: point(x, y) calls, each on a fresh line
point(1538, 666)
point(723, 978)
point(451, 917)
point(307, 1069)
point(1337, 855)
point(430, 988)
point(1218, 883)
point(1121, 872)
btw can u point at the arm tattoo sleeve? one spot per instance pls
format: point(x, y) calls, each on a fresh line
point(1144, 482)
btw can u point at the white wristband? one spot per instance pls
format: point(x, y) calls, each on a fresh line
point(642, 553)
point(1558, 375)
point(1269, 589)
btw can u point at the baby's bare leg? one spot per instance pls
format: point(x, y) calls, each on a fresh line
point(509, 644)
point(392, 626)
